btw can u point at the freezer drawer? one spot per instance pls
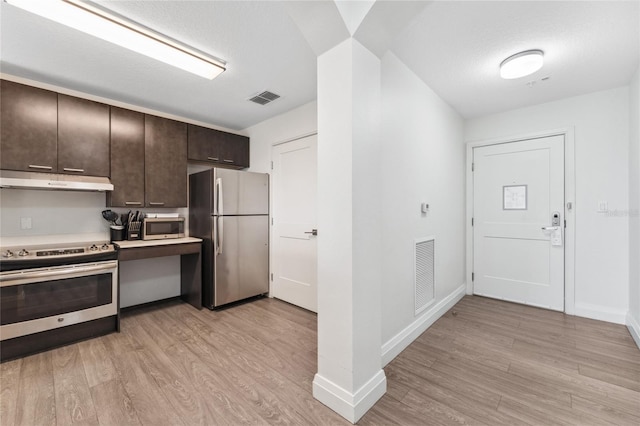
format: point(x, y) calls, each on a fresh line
point(241, 257)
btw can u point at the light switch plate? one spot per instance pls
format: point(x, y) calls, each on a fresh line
point(603, 206)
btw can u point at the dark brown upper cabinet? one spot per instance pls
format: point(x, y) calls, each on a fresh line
point(234, 150)
point(165, 160)
point(218, 147)
point(83, 137)
point(202, 144)
point(127, 158)
point(29, 121)
point(145, 156)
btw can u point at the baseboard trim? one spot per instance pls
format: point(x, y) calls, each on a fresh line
point(400, 341)
point(601, 313)
point(634, 328)
point(350, 406)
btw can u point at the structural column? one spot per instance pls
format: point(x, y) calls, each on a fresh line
point(350, 378)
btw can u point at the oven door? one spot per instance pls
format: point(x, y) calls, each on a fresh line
point(41, 299)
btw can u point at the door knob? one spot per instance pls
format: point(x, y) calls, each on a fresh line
point(312, 232)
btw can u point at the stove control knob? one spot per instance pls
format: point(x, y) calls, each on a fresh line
point(105, 246)
point(7, 254)
point(93, 247)
point(23, 253)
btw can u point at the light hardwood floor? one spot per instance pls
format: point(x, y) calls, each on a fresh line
point(484, 362)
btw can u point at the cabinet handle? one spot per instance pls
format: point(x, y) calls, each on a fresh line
point(227, 161)
point(212, 158)
point(35, 166)
point(156, 204)
point(132, 203)
point(69, 169)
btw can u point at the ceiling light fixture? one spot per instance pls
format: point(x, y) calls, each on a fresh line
point(110, 27)
point(522, 64)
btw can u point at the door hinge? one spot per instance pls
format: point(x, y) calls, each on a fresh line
point(271, 221)
point(473, 276)
point(471, 221)
point(473, 167)
point(272, 276)
point(272, 165)
point(565, 223)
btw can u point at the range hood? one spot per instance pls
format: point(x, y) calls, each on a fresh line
point(31, 180)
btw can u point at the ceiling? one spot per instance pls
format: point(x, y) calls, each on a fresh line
point(455, 47)
point(262, 46)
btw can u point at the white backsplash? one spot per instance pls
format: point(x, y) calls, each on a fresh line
point(56, 216)
point(51, 213)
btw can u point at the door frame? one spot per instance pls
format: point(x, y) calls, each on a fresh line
point(569, 214)
point(272, 254)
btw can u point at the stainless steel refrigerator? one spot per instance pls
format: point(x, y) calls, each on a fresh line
point(229, 210)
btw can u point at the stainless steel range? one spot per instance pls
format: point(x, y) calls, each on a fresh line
point(55, 294)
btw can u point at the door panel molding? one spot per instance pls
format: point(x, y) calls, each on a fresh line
point(569, 214)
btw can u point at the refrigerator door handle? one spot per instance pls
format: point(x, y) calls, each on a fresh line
point(220, 233)
point(220, 197)
point(219, 220)
point(216, 235)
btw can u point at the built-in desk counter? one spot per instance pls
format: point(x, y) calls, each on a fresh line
point(190, 251)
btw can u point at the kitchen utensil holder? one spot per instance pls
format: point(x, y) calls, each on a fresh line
point(133, 230)
point(117, 232)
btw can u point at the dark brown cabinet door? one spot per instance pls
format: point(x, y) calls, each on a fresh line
point(83, 137)
point(221, 148)
point(29, 120)
point(203, 144)
point(165, 160)
point(127, 159)
point(234, 150)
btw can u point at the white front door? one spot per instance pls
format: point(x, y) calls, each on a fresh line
point(294, 187)
point(518, 190)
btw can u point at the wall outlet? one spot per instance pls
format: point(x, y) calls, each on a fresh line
point(25, 223)
point(603, 206)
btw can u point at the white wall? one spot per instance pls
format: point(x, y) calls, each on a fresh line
point(424, 161)
point(51, 213)
point(601, 124)
point(293, 124)
point(633, 319)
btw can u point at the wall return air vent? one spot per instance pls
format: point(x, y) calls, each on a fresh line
point(264, 98)
point(425, 283)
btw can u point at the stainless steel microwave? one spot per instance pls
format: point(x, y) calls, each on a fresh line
point(160, 228)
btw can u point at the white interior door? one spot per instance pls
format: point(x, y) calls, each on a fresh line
point(294, 184)
point(517, 189)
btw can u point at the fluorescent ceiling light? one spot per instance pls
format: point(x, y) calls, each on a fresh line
point(521, 64)
point(97, 22)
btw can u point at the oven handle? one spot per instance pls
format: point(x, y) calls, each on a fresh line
point(16, 278)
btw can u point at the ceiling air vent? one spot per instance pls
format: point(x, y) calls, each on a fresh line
point(264, 98)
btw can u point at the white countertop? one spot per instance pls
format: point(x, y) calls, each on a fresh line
point(152, 243)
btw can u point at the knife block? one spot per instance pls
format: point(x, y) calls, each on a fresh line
point(133, 230)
